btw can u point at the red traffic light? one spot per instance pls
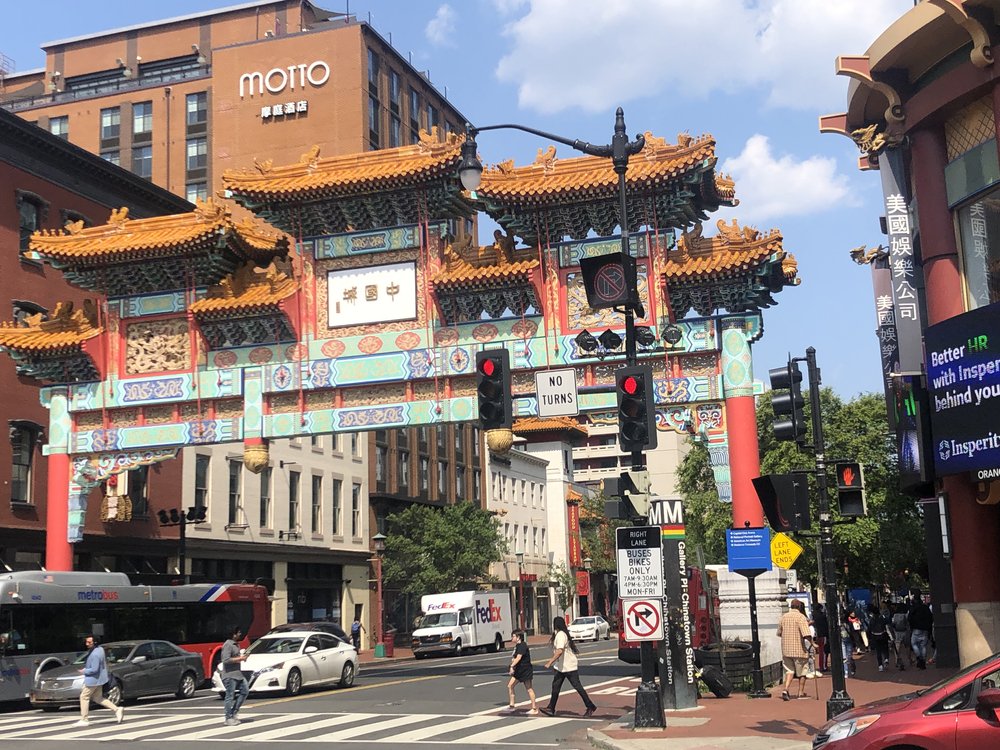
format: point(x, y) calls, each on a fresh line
point(630, 385)
point(488, 367)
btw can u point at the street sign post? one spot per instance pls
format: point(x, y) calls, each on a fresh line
point(749, 555)
point(556, 391)
point(643, 619)
point(640, 562)
point(784, 551)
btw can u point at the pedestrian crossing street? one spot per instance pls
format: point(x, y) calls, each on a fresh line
point(207, 726)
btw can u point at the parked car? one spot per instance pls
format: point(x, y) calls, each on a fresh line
point(590, 628)
point(294, 659)
point(958, 713)
point(135, 669)
point(323, 626)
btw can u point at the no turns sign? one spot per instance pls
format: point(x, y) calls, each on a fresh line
point(643, 619)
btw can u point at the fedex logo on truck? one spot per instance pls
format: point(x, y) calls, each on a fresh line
point(489, 613)
point(440, 607)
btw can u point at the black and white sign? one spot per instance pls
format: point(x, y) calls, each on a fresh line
point(640, 562)
point(643, 619)
point(556, 390)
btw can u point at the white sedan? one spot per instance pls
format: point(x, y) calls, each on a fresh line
point(590, 628)
point(293, 660)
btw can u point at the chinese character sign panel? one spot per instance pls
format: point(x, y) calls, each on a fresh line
point(374, 294)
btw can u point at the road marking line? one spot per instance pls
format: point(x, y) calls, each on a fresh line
point(491, 682)
point(424, 734)
point(511, 729)
point(353, 733)
point(350, 690)
point(285, 732)
point(258, 721)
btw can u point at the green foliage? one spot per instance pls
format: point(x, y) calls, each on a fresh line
point(872, 551)
point(598, 534)
point(565, 583)
point(430, 550)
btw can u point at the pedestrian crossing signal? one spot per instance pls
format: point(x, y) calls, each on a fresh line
point(851, 489)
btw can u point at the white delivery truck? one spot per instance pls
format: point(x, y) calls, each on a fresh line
point(462, 620)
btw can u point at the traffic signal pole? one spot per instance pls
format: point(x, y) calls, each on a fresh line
point(839, 700)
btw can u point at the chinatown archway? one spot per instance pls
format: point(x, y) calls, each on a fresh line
point(207, 330)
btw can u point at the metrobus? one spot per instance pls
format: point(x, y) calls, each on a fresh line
point(44, 618)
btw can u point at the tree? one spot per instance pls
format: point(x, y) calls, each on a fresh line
point(872, 551)
point(430, 550)
point(597, 533)
point(565, 583)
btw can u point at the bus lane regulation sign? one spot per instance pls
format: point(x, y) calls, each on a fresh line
point(640, 562)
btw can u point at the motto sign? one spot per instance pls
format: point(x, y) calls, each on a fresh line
point(277, 79)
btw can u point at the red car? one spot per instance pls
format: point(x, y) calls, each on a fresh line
point(961, 712)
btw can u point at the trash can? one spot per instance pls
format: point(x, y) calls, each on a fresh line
point(390, 643)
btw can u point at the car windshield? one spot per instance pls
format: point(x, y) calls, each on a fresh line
point(585, 621)
point(439, 619)
point(113, 654)
point(275, 646)
point(958, 677)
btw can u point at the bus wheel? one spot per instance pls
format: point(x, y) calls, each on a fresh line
point(115, 693)
point(187, 685)
point(293, 685)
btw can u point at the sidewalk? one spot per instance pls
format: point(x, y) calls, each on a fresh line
point(762, 723)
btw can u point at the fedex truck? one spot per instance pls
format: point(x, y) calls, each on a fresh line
point(461, 621)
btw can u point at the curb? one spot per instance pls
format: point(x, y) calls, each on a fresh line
point(600, 740)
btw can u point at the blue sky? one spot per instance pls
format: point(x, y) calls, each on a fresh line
point(756, 74)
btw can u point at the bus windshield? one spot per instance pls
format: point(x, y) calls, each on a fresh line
point(439, 620)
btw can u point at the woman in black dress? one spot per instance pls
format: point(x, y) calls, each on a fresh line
point(521, 671)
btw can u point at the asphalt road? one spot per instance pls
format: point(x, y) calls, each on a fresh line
point(434, 703)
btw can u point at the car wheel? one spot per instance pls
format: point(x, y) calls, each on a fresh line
point(347, 676)
point(293, 685)
point(187, 685)
point(115, 693)
point(458, 647)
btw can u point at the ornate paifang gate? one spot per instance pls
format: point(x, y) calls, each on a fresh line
point(209, 330)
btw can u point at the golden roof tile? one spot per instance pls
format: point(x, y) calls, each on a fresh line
point(735, 249)
point(157, 236)
point(350, 172)
point(552, 178)
point(247, 288)
point(66, 329)
point(466, 263)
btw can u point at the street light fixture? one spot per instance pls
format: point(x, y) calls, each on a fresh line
point(587, 565)
point(520, 581)
point(378, 541)
point(648, 702)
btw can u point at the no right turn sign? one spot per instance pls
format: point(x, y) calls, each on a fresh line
point(642, 619)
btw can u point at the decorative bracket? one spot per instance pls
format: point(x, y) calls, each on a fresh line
point(982, 53)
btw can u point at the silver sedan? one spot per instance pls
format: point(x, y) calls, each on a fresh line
point(135, 669)
point(590, 628)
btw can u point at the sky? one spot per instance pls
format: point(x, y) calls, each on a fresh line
point(755, 74)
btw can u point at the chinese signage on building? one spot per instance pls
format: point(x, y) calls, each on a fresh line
point(373, 294)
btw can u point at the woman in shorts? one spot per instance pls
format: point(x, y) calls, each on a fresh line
point(521, 671)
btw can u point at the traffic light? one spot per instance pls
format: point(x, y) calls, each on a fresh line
point(851, 489)
point(788, 406)
point(785, 500)
point(636, 408)
point(196, 513)
point(164, 518)
point(493, 389)
point(627, 496)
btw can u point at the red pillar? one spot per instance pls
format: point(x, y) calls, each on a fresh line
point(744, 460)
point(58, 550)
point(975, 528)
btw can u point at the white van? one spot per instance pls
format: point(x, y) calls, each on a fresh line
point(462, 620)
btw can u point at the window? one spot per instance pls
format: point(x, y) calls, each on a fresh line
point(394, 91)
point(60, 126)
point(32, 212)
point(477, 485)
point(142, 121)
point(425, 473)
point(114, 157)
point(197, 109)
point(442, 481)
point(373, 72)
point(317, 504)
point(459, 434)
point(440, 437)
point(414, 110)
point(476, 440)
point(201, 466)
point(374, 135)
point(138, 491)
point(235, 491)
point(381, 459)
point(338, 489)
point(459, 483)
point(197, 153)
point(356, 510)
point(265, 498)
point(111, 123)
point(293, 500)
point(23, 437)
point(196, 191)
point(355, 445)
point(395, 132)
point(534, 541)
point(142, 161)
point(403, 473)
point(432, 117)
point(545, 549)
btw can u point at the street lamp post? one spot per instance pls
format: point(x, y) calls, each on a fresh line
point(588, 563)
point(379, 543)
point(520, 584)
point(177, 517)
point(648, 701)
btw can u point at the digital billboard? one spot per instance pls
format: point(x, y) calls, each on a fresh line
point(963, 373)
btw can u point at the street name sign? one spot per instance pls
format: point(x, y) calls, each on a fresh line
point(640, 562)
point(784, 551)
point(643, 619)
point(556, 391)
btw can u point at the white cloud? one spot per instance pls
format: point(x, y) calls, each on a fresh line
point(595, 54)
point(440, 30)
point(770, 187)
point(507, 7)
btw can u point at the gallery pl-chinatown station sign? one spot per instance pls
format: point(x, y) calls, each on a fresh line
point(963, 371)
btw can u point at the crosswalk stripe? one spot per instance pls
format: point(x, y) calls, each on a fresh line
point(246, 724)
point(451, 726)
point(353, 732)
point(145, 733)
point(510, 729)
point(310, 726)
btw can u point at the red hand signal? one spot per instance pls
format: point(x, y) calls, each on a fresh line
point(848, 476)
